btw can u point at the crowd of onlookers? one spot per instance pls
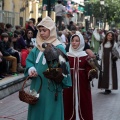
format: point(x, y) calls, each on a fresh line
point(15, 45)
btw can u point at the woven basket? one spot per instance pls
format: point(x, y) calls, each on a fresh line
point(26, 97)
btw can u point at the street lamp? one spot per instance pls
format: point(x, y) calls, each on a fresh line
point(102, 2)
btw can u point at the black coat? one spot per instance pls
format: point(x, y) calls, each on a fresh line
point(4, 46)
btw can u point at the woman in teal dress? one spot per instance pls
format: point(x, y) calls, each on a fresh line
point(95, 42)
point(47, 108)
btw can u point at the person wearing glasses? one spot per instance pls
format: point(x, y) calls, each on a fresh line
point(28, 37)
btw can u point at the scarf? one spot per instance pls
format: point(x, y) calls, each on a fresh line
point(48, 23)
point(79, 51)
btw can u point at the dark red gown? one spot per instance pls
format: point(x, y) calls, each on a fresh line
point(77, 99)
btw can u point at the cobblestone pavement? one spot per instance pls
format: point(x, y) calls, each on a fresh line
point(105, 107)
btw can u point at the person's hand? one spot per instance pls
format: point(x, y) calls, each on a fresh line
point(32, 72)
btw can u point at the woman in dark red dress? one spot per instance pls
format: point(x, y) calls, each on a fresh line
point(77, 99)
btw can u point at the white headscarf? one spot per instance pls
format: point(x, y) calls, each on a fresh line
point(48, 23)
point(79, 51)
point(96, 34)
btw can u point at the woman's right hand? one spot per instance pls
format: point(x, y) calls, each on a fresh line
point(32, 72)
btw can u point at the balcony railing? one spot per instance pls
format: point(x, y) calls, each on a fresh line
point(9, 17)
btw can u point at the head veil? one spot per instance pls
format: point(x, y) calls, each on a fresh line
point(48, 23)
point(79, 51)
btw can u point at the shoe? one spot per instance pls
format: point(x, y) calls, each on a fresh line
point(13, 73)
point(107, 92)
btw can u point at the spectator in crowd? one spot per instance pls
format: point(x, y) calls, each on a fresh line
point(118, 38)
point(14, 39)
point(18, 27)
point(116, 34)
point(28, 37)
point(59, 10)
point(10, 50)
point(47, 107)
point(24, 54)
point(64, 39)
point(8, 28)
point(32, 27)
point(39, 20)
point(20, 43)
point(102, 35)
point(29, 45)
point(108, 78)
point(15, 53)
point(78, 99)
point(3, 66)
point(71, 26)
point(26, 24)
point(86, 40)
point(63, 27)
point(3, 48)
point(1, 29)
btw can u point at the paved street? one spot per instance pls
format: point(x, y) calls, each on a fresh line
point(105, 107)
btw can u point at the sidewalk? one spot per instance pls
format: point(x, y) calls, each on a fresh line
point(105, 107)
point(10, 84)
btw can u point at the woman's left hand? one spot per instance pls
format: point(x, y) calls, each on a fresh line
point(93, 74)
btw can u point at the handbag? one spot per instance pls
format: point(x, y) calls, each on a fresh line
point(27, 97)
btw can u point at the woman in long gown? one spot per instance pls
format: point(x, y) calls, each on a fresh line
point(47, 108)
point(108, 78)
point(78, 100)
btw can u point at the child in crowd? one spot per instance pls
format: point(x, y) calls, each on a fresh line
point(24, 54)
point(4, 45)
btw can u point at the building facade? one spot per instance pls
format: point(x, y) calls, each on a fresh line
point(17, 12)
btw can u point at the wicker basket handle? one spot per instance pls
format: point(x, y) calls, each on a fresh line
point(28, 79)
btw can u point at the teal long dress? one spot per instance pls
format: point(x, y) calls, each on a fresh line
point(46, 108)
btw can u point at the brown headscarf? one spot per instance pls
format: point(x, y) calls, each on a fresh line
point(48, 23)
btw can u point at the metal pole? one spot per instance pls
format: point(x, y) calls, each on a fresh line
point(49, 7)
